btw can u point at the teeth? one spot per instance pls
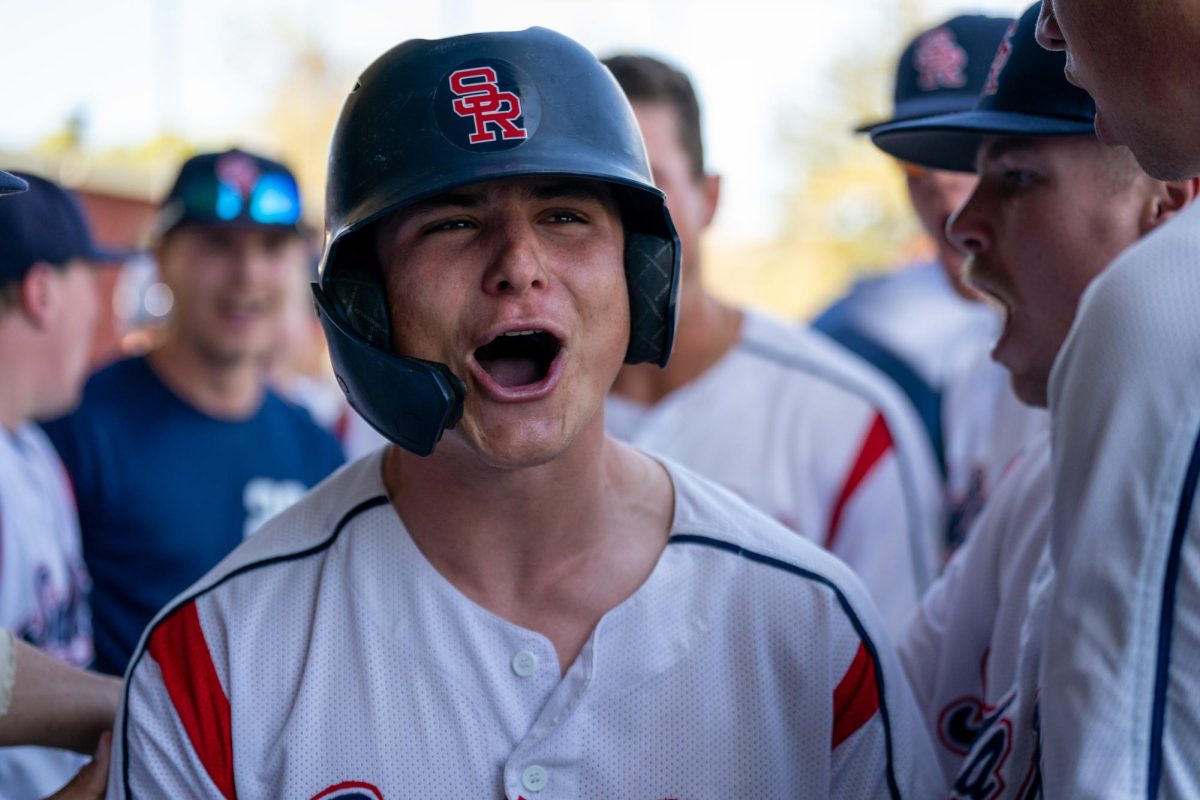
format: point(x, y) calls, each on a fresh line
point(521, 333)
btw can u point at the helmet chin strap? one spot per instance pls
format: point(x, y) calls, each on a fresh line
point(414, 401)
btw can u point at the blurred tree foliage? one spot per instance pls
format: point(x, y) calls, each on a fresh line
point(846, 209)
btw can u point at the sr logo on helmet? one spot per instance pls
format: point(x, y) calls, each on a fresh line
point(486, 105)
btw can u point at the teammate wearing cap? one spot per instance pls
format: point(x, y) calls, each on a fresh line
point(1119, 711)
point(48, 309)
point(512, 603)
point(1052, 208)
point(923, 325)
point(774, 412)
point(177, 455)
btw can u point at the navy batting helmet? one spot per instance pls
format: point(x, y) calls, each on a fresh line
point(429, 116)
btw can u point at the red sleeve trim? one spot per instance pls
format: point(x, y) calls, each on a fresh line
point(179, 648)
point(856, 698)
point(875, 446)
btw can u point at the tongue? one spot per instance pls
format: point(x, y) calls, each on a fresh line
point(510, 372)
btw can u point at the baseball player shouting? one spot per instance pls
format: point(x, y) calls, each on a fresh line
point(1120, 716)
point(774, 412)
point(1052, 208)
point(531, 609)
point(922, 325)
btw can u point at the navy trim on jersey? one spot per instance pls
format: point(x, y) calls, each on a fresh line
point(362, 507)
point(1166, 621)
point(791, 360)
point(864, 637)
point(926, 400)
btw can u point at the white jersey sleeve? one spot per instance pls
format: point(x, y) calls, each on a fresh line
point(1121, 672)
point(962, 649)
point(176, 715)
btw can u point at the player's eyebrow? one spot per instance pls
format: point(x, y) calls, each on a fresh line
point(460, 199)
point(570, 190)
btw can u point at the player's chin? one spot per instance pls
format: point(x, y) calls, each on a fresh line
point(505, 441)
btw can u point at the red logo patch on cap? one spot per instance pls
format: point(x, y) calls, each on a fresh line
point(940, 61)
point(999, 62)
point(495, 113)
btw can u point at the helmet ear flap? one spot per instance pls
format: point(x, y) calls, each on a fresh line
point(357, 290)
point(652, 273)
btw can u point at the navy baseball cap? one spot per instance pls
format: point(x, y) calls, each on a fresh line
point(232, 188)
point(944, 69)
point(11, 184)
point(1026, 95)
point(45, 223)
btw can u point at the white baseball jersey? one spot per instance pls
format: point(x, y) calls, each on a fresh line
point(986, 427)
point(1121, 676)
point(43, 587)
point(327, 658)
point(814, 439)
point(973, 674)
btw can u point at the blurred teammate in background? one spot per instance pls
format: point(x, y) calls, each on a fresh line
point(178, 455)
point(793, 424)
point(48, 311)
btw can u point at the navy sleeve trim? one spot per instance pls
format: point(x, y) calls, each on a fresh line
point(361, 508)
point(847, 609)
point(925, 399)
point(1166, 621)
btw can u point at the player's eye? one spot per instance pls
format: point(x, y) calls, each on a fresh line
point(561, 216)
point(441, 225)
point(1014, 179)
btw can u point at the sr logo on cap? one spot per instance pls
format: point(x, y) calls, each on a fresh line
point(941, 61)
point(485, 106)
point(1000, 62)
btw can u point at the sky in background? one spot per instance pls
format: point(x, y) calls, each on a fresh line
point(202, 68)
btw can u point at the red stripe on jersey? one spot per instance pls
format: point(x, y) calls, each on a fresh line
point(341, 425)
point(178, 646)
point(874, 447)
point(856, 698)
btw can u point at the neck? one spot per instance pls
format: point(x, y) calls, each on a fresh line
point(707, 330)
point(22, 365)
point(551, 547)
point(223, 389)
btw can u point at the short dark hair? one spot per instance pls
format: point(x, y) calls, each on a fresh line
point(647, 80)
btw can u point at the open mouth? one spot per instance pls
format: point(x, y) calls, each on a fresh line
point(518, 358)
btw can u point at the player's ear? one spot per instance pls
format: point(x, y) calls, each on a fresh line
point(1169, 198)
point(37, 293)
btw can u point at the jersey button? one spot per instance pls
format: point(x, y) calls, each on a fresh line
point(524, 663)
point(535, 778)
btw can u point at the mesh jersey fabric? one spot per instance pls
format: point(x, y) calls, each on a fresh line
point(748, 664)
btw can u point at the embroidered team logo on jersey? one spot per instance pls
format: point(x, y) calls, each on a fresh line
point(486, 106)
point(349, 790)
point(999, 62)
point(940, 61)
point(984, 734)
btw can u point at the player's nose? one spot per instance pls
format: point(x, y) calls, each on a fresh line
point(517, 264)
point(967, 227)
point(1049, 35)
